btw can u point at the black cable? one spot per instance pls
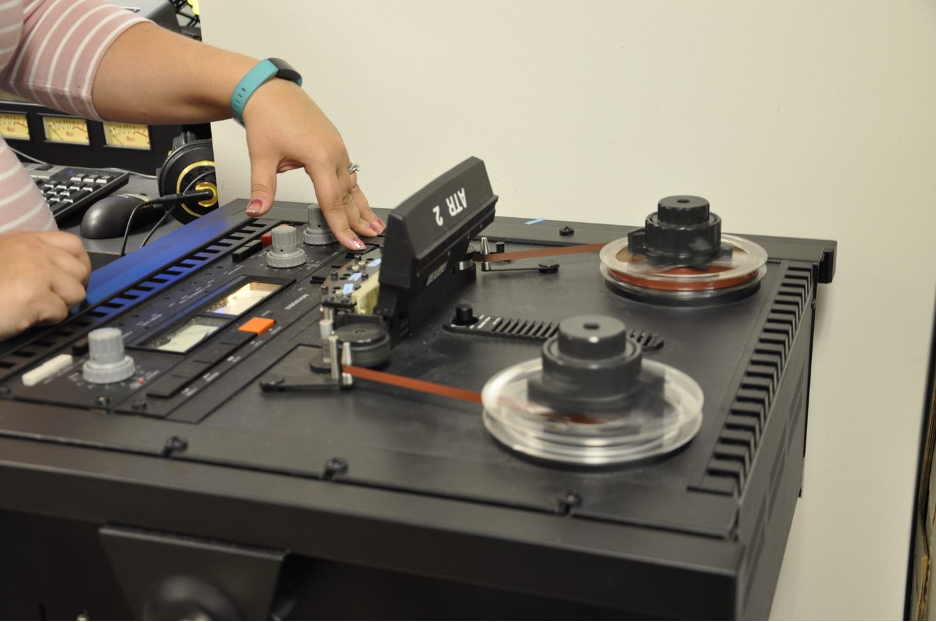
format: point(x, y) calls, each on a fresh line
point(158, 224)
point(126, 236)
point(198, 178)
point(165, 202)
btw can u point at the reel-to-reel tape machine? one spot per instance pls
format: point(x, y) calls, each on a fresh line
point(472, 417)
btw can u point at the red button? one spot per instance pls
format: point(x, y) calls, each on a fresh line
point(267, 238)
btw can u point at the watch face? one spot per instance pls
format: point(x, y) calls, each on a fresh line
point(286, 72)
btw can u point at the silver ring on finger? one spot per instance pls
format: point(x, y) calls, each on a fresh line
point(354, 168)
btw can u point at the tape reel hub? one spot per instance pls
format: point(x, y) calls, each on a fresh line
point(591, 400)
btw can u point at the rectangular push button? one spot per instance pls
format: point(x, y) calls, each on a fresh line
point(246, 250)
point(47, 369)
point(190, 369)
point(167, 386)
point(257, 325)
point(215, 353)
point(236, 338)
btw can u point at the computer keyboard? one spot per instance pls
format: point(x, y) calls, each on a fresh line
point(71, 189)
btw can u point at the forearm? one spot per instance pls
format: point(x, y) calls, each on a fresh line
point(150, 75)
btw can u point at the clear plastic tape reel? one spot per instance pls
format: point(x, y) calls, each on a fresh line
point(631, 272)
point(655, 423)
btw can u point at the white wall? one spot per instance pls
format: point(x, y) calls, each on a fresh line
point(798, 118)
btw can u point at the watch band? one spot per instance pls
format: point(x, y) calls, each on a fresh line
point(262, 71)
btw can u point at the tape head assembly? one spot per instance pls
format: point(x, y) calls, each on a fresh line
point(425, 258)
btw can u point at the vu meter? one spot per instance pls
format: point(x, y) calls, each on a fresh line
point(126, 135)
point(14, 126)
point(70, 130)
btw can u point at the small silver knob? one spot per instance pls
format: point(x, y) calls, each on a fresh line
point(284, 251)
point(317, 233)
point(107, 361)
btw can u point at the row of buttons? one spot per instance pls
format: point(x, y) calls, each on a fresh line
point(71, 189)
point(208, 356)
point(88, 179)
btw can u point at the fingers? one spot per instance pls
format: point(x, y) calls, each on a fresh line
point(262, 185)
point(71, 257)
point(49, 309)
point(68, 288)
point(331, 199)
point(70, 265)
point(363, 206)
point(352, 210)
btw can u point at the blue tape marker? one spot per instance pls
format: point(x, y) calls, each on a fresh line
point(348, 289)
point(534, 221)
point(355, 277)
point(373, 263)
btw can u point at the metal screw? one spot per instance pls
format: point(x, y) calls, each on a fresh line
point(102, 401)
point(566, 230)
point(567, 500)
point(335, 466)
point(174, 444)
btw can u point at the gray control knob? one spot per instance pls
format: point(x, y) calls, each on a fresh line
point(317, 233)
point(284, 251)
point(107, 362)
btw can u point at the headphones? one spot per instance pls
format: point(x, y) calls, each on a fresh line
point(190, 167)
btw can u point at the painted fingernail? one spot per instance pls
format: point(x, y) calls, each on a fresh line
point(375, 228)
point(253, 208)
point(358, 244)
point(383, 225)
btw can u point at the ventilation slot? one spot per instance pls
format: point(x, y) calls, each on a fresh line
point(526, 328)
point(738, 440)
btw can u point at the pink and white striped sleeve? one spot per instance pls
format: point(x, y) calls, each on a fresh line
point(61, 45)
point(49, 53)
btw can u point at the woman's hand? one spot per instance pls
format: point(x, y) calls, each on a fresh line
point(285, 131)
point(150, 75)
point(43, 274)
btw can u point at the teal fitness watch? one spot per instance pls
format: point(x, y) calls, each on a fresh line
point(263, 71)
